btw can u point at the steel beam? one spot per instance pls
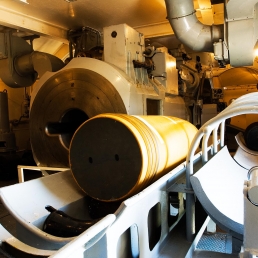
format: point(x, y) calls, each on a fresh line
point(17, 20)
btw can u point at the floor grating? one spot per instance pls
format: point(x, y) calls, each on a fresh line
point(217, 242)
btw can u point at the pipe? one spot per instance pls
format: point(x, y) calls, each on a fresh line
point(23, 65)
point(37, 61)
point(188, 29)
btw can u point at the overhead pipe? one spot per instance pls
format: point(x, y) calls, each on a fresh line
point(188, 29)
point(240, 19)
point(23, 70)
point(37, 61)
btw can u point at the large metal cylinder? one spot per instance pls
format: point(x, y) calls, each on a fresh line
point(64, 102)
point(114, 156)
point(188, 29)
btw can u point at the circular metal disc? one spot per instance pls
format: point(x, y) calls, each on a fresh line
point(105, 159)
point(72, 91)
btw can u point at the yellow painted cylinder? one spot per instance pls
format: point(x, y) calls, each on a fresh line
point(114, 156)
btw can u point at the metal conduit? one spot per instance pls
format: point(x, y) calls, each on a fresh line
point(188, 29)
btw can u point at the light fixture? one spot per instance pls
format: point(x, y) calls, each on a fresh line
point(71, 10)
point(68, 1)
point(22, 1)
point(70, 7)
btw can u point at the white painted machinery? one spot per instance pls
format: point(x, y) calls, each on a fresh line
point(121, 79)
point(128, 81)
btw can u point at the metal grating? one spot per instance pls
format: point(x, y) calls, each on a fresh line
point(217, 242)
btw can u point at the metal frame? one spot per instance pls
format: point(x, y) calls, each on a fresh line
point(246, 104)
point(105, 238)
point(44, 170)
point(21, 21)
point(129, 218)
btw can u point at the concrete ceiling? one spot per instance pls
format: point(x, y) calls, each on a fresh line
point(52, 19)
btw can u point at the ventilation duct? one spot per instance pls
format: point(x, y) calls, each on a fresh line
point(240, 21)
point(20, 65)
point(188, 29)
point(37, 61)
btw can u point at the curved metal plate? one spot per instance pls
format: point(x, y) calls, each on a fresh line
point(68, 90)
point(238, 76)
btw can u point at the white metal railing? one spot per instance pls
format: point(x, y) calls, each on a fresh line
point(144, 201)
point(131, 215)
point(246, 104)
point(21, 168)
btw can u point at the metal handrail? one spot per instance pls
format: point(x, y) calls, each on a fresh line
point(246, 104)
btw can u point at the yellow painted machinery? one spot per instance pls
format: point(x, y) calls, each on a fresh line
point(114, 156)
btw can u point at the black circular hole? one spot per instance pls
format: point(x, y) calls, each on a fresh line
point(90, 160)
point(113, 34)
point(116, 157)
point(69, 123)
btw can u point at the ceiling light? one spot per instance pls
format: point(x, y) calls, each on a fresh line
point(71, 10)
point(70, 7)
point(22, 1)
